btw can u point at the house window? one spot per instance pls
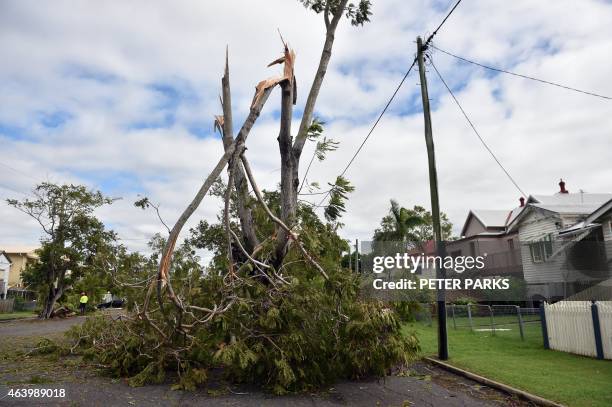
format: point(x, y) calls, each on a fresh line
point(541, 250)
point(536, 252)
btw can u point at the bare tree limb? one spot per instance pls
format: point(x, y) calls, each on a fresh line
point(331, 26)
point(164, 265)
point(226, 214)
point(276, 220)
point(242, 191)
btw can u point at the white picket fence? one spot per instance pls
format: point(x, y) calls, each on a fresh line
point(570, 327)
point(605, 319)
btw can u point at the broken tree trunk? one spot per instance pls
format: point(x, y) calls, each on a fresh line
point(242, 191)
point(288, 170)
point(164, 264)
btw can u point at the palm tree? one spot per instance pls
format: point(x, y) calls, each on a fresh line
point(399, 225)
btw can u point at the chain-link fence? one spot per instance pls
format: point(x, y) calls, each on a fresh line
point(499, 320)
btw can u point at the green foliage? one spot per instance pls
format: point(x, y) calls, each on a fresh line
point(410, 225)
point(517, 291)
point(288, 337)
point(315, 131)
point(465, 300)
point(324, 146)
point(46, 346)
point(75, 243)
point(359, 13)
point(337, 198)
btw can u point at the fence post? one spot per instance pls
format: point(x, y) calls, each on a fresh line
point(470, 317)
point(453, 313)
point(544, 326)
point(520, 321)
point(492, 320)
point(597, 330)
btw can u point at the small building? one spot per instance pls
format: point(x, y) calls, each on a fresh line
point(5, 266)
point(18, 257)
point(485, 233)
point(561, 255)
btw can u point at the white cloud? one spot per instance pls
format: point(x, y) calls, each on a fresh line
point(100, 63)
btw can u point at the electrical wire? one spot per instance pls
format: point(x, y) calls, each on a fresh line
point(391, 99)
point(521, 75)
point(476, 131)
point(441, 24)
point(372, 128)
point(17, 171)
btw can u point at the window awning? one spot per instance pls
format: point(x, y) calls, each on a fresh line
point(576, 236)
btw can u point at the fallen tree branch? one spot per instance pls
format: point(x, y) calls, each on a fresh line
point(276, 220)
point(164, 265)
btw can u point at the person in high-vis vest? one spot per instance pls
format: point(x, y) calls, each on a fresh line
point(83, 303)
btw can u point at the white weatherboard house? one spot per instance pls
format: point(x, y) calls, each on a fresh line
point(563, 241)
point(5, 267)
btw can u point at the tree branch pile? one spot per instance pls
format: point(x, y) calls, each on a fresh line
point(275, 307)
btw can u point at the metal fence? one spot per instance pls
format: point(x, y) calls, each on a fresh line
point(507, 320)
point(495, 319)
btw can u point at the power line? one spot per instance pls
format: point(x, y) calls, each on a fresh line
point(391, 99)
point(441, 24)
point(373, 127)
point(476, 131)
point(9, 188)
point(521, 75)
point(18, 171)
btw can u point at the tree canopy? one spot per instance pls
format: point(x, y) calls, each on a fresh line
point(74, 242)
point(410, 225)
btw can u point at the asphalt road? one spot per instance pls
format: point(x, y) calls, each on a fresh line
point(425, 386)
point(36, 327)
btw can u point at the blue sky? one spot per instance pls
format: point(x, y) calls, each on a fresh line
point(121, 96)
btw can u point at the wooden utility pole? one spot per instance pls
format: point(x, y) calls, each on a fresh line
point(356, 255)
point(435, 204)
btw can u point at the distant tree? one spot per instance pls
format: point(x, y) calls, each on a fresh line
point(410, 225)
point(74, 243)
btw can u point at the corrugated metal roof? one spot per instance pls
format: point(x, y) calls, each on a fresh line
point(569, 204)
point(585, 198)
point(491, 217)
point(568, 209)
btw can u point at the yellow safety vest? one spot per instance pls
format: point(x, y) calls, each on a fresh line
point(84, 299)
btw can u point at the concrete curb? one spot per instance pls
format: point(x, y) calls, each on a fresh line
point(492, 383)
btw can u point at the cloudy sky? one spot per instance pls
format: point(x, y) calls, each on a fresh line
point(120, 96)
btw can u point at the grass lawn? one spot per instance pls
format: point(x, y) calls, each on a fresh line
point(18, 314)
point(569, 379)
